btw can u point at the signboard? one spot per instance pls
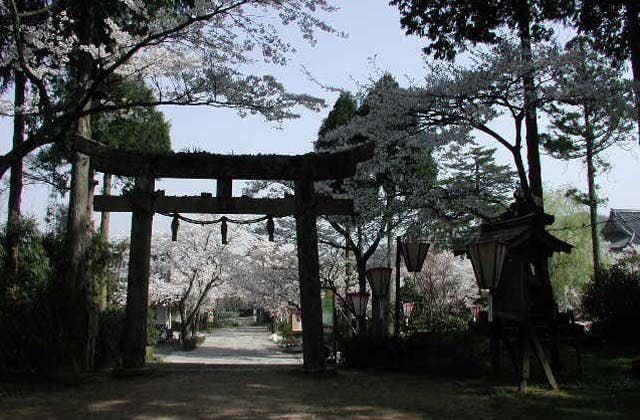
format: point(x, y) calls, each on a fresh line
point(296, 322)
point(328, 303)
point(328, 299)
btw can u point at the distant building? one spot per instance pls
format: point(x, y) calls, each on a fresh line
point(622, 229)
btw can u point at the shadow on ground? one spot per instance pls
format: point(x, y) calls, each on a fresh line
point(184, 391)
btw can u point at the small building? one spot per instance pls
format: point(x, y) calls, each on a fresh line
point(622, 229)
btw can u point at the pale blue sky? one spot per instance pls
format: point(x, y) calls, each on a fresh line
point(374, 33)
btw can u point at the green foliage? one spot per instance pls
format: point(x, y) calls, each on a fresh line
point(481, 187)
point(612, 301)
point(34, 303)
point(569, 272)
point(110, 327)
point(450, 26)
point(610, 24)
point(343, 111)
point(27, 321)
point(282, 326)
point(153, 335)
point(33, 262)
point(592, 107)
point(141, 129)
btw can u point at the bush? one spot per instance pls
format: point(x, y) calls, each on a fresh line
point(38, 309)
point(612, 301)
point(153, 335)
point(27, 317)
point(462, 354)
point(110, 325)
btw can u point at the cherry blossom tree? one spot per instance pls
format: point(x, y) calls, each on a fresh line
point(190, 53)
point(443, 292)
point(196, 53)
point(450, 27)
point(267, 274)
point(190, 273)
point(386, 189)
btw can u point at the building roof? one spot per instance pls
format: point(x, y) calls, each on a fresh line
point(519, 230)
point(623, 228)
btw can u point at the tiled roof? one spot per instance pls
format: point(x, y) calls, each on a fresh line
point(622, 228)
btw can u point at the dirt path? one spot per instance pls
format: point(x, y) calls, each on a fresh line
point(234, 346)
point(182, 391)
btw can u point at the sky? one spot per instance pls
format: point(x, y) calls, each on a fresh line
point(375, 44)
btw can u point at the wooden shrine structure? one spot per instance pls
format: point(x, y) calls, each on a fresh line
point(143, 201)
point(523, 306)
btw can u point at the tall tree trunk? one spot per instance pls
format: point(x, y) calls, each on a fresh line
point(593, 198)
point(80, 311)
point(107, 181)
point(104, 232)
point(347, 260)
point(361, 267)
point(531, 112)
point(633, 39)
point(15, 182)
point(185, 332)
point(540, 259)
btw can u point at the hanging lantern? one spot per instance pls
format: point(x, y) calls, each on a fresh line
point(223, 230)
point(358, 302)
point(175, 224)
point(487, 259)
point(379, 280)
point(414, 254)
point(270, 228)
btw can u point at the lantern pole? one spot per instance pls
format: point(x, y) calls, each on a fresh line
point(379, 281)
point(396, 321)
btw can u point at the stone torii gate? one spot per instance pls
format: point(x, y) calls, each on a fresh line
point(143, 201)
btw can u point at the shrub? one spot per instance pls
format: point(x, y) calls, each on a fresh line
point(27, 318)
point(461, 354)
point(37, 309)
point(153, 335)
point(110, 325)
point(612, 301)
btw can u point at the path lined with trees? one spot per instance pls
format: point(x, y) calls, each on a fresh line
point(233, 346)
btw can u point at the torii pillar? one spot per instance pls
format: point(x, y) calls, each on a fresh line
point(134, 335)
point(309, 275)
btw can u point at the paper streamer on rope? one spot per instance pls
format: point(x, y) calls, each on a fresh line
point(175, 224)
point(223, 230)
point(270, 228)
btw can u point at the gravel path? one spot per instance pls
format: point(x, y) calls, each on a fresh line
point(233, 346)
